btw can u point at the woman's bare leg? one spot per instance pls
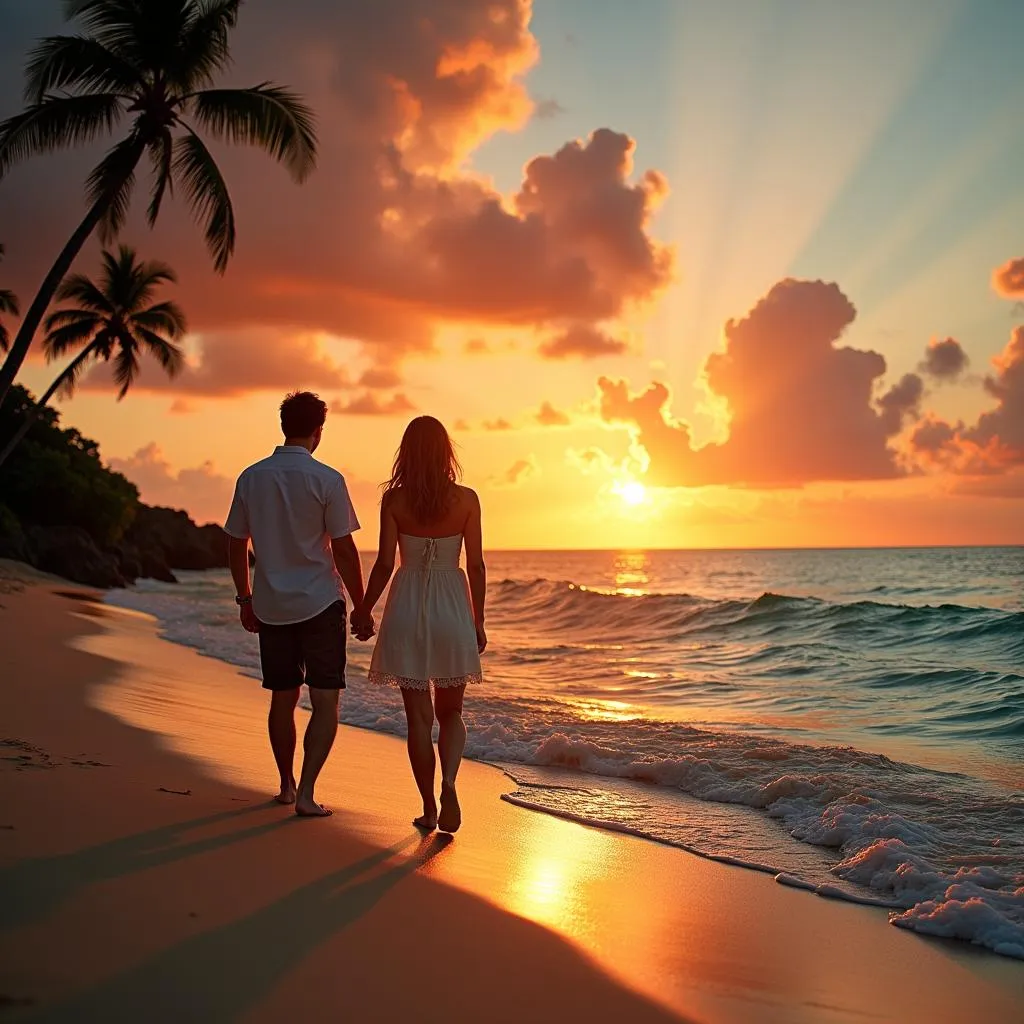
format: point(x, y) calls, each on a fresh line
point(451, 742)
point(419, 715)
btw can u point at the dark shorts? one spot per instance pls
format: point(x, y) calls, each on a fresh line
point(310, 652)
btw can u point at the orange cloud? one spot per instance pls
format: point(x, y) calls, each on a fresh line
point(583, 340)
point(204, 491)
point(369, 404)
point(518, 473)
point(995, 444)
point(392, 236)
point(499, 424)
point(236, 362)
point(801, 407)
point(549, 416)
point(944, 360)
point(1008, 280)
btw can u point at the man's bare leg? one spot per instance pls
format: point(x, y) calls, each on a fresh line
point(316, 745)
point(281, 726)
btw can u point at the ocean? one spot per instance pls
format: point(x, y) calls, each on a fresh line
point(851, 721)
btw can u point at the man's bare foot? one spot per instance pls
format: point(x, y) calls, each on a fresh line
point(287, 794)
point(427, 820)
point(307, 807)
point(450, 817)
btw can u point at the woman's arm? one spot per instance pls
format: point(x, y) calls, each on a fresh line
point(383, 567)
point(475, 568)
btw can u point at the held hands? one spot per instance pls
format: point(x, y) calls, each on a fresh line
point(362, 624)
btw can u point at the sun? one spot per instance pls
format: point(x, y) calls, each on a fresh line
point(633, 493)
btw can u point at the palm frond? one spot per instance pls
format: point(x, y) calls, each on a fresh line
point(78, 288)
point(167, 354)
point(56, 122)
point(208, 196)
point(126, 363)
point(70, 376)
point(79, 64)
point(114, 23)
point(8, 302)
point(161, 153)
point(112, 180)
point(202, 48)
point(5, 339)
point(165, 318)
point(60, 340)
point(63, 317)
point(270, 117)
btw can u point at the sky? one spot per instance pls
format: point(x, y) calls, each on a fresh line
point(675, 274)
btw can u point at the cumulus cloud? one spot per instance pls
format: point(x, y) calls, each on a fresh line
point(393, 235)
point(1008, 279)
point(584, 341)
point(370, 404)
point(801, 407)
point(549, 416)
point(901, 402)
point(995, 443)
point(499, 424)
point(380, 377)
point(237, 362)
point(944, 359)
point(476, 347)
point(201, 490)
point(518, 473)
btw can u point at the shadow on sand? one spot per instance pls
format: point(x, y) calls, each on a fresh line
point(220, 974)
point(34, 888)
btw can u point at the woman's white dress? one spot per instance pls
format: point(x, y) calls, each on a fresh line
point(427, 634)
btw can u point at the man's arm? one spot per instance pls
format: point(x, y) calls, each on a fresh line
point(238, 561)
point(346, 558)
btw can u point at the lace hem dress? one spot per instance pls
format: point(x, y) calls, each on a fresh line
point(426, 635)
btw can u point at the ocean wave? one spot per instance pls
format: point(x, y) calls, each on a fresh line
point(945, 853)
point(582, 683)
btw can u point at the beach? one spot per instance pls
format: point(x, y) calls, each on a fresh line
point(146, 875)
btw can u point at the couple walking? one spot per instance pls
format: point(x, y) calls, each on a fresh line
point(297, 515)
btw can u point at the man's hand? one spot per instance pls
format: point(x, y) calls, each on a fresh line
point(362, 624)
point(248, 618)
point(481, 638)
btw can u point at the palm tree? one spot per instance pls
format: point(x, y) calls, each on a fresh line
point(153, 61)
point(111, 321)
point(9, 305)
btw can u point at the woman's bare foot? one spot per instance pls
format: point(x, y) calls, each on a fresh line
point(287, 793)
point(450, 817)
point(307, 807)
point(428, 819)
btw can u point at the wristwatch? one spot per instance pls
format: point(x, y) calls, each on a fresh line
point(243, 600)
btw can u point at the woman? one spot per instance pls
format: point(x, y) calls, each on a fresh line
point(432, 631)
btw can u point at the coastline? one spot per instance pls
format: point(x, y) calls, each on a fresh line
point(131, 898)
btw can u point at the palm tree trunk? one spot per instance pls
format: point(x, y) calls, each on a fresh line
point(30, 323)
point(34, 413)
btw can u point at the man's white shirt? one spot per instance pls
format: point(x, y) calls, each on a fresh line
point(291, 506)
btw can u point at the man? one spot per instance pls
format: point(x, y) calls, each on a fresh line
point(298, 515)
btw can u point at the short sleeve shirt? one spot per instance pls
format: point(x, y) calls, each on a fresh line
point(292, 506)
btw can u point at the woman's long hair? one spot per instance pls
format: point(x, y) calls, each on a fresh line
point(425, 469)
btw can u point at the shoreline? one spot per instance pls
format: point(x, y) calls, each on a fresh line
point(143, 721)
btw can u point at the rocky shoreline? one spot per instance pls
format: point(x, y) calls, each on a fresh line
point(159, 541)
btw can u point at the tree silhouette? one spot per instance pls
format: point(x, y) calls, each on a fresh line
point(113, 320)
point(154, 62)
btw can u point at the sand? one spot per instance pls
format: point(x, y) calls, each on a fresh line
point(145, 875)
